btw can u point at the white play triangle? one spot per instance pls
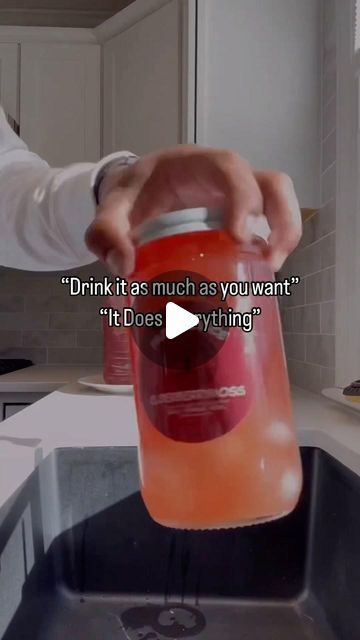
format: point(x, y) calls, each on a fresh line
point(178, 320)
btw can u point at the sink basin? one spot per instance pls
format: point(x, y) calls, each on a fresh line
point(80, 559)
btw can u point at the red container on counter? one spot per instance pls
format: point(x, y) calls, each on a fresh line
point(117, 364)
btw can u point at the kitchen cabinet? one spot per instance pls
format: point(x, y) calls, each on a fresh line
point(9, 79)
point(50, 90)
point(238, 75)
point(23, 387)
point(13, 402)
point(12, 408)
point(143, 89)
point(259, 85)
point(246, 74)
point(60, 101)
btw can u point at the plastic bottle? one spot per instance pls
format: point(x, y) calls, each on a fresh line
point(117, 363)
point(217, 443)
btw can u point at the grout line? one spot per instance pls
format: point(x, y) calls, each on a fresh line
point(310, 304)
point(313, 273)
point(302, 306)
point(324, 140)
point(332, 266)
point(311, 244)
point(308, 333)
point(312, 364)
point(316, 364)
point(326, 104)
point(328, 169)
point(327, 202)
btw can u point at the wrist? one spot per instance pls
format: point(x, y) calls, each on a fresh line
point(107, 174)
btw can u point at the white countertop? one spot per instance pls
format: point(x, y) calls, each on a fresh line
point(43, 378)
point(77, 417)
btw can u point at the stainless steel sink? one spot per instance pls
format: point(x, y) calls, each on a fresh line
point(80, 559)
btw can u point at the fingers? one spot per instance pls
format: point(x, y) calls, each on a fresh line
point(109, 236)
point(186, 177)
point(192, 176)
point(243, 197)
point(283, 213)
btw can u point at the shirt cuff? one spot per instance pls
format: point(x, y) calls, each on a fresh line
point(115, 160)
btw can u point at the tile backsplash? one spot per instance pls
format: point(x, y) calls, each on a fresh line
point(41, 322)
point(309, 315)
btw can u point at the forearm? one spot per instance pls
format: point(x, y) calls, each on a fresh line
point(44, 213)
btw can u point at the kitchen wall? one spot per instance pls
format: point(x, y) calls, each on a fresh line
point(41, 322)
point(309, 315)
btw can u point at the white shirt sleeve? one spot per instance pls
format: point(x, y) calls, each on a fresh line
point(44, 212)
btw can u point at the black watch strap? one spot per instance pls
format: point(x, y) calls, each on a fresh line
point(109, 167)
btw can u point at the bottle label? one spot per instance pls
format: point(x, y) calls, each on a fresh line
point(200, 403)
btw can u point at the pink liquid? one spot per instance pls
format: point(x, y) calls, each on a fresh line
point(233, 462)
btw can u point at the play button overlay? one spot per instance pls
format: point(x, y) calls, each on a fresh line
point(180, 343)
point(193, 386)
point(178, 320)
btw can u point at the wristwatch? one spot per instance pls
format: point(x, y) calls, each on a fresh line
point(110, 165)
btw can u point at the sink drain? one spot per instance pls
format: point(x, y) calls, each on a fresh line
point(154, 622)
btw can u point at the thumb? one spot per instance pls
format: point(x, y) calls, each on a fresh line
point(109, 236)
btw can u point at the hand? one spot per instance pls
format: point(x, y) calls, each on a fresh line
point(191, 176)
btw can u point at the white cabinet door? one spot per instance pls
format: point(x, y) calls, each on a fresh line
point(9, 79)
point(259, 85)
point(60, 101)
point(11, 409)
point(143, 83)
point(13, 402)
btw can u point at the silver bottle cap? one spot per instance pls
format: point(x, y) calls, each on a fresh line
point(178, 222)
point(188, 220)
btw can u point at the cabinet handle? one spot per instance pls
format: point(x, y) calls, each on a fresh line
point(13, 124)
